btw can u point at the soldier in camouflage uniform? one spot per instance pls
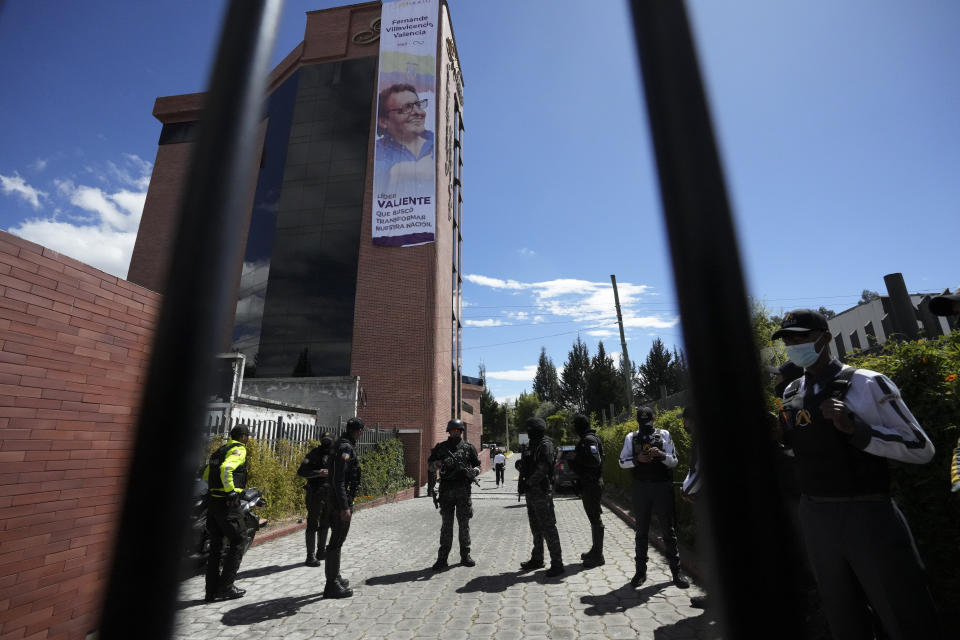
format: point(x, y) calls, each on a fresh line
point(537, 468)
point(458, 465)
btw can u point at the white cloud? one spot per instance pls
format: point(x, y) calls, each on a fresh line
point(515, 375)
point(527, 252)
point(601, 333)
point(104, 236)
point(650, 322)
point(98, 246)
point(17, 186)
point(39, 165)
point(494, 283)
point(489, 322)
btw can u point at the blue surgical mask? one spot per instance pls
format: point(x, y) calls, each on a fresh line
point(803, 355)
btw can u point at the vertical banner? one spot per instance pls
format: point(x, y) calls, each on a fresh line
point(404, 170)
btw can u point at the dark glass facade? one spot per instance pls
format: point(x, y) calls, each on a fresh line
point(296, 301)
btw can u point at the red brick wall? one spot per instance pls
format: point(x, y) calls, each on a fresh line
point(73, 352)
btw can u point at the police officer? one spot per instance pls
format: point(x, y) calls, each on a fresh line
point(344, 482)
point(316, 469)
point(587, 463)
point(843, 425)
point(458, 464)
point(226, 476)
point(537, 468)
point(650, 453)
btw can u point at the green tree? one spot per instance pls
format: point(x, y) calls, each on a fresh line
point(493, 425)
point(656, 374)
point(545, 383)
point(827, 313)
point(573, 381)
point(526, 406)
point(604, 385)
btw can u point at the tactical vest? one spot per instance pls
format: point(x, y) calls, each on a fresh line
point(457, 471)
point(214, 481)
point(583, 458)
point(654, 471)
point(827, 464)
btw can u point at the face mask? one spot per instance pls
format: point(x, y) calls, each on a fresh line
point(803, 355)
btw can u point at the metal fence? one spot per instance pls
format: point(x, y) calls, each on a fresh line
point(369, 438)
point(269, 430)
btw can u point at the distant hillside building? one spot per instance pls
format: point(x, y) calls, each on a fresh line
point(871, 324)
point(321, 297)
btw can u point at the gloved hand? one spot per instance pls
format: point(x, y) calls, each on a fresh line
point(474, 472)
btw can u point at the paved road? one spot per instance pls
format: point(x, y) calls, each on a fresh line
point(387, 558)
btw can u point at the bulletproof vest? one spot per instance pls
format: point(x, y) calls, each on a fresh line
point(216, 461)
point(319, 459)
point(351, 469)
point(585, 459)
point(827, 464)
point(457, 470)
point(653, 471)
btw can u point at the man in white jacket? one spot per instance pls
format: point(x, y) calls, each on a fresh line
point(650, 453)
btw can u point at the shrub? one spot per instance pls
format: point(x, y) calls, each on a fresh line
point(382, 471)
point(926, 372)
point(273, 469)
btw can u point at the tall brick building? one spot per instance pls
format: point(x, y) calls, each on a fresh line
point(316, 298)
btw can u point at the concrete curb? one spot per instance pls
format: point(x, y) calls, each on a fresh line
point(406, 494)
point(688, 561)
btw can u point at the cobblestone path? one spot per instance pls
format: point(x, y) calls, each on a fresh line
point(387, 559)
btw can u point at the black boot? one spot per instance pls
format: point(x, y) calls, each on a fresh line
point(640, 576)
point(343, 582)
point(312, 561)
point(594, 557)
point(556, 569)
point(441, 562)
point(467, 561)
point(322, 543)
point(230, 593)
point(333, 588)
point(679, 580)
point(535, 562)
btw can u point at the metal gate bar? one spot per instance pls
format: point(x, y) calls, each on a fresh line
point(143, 582)
point(755, 562)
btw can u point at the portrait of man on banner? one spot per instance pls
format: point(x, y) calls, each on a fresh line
point(405, 147)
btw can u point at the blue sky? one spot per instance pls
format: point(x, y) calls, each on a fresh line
point(837, 123)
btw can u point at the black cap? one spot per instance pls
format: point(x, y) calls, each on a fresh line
point(239, 431)
point(536, 427)
point(943, 305)
point(801, 321)
point(644, 415)
point(581, 423)
point(355, 423)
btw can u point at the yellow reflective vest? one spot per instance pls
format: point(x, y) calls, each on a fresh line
point(226, 472)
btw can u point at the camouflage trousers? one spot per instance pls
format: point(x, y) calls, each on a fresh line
point(543, 524)
point(455, 499)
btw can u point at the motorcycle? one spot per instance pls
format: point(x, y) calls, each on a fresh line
point(198, 550)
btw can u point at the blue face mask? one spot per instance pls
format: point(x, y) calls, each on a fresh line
point(803, 355)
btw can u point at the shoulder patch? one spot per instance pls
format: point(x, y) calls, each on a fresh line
point(345, 456)
point(235, 452)
point(593, 448)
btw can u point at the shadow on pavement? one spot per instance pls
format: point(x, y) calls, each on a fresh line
point(266, 571)
point(416, 575)
point(268, 610)
point(619, 600)
point(186, 604)
point(702, 627)
point(500, 582)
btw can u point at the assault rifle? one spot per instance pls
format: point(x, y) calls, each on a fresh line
point(449, 461)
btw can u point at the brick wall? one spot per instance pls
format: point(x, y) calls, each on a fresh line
point(73, 352)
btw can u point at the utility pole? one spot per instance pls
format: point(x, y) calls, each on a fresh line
point(628, 383)
point(506, 422)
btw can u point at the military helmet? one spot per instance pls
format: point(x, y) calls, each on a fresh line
point(456, 423)
point(355, 424)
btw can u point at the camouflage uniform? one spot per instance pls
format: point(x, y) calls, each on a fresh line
point(454, 458)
